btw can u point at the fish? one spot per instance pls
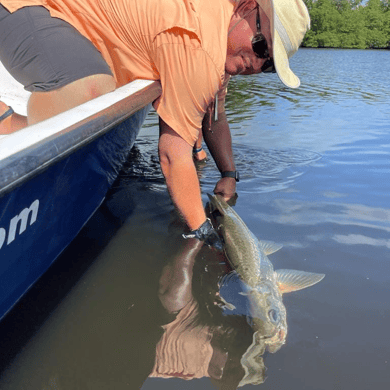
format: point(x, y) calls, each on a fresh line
point(261, 283)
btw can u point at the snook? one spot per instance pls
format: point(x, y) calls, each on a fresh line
point(261, 283)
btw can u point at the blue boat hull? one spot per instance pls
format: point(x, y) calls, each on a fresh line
point(40, 217)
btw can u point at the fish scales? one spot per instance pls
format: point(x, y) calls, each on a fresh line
point(262, 285)
point(241, 246)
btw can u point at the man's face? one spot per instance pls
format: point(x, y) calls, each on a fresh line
point(240, 58)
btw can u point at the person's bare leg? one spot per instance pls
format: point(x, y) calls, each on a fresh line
point(12, 123)
point(44, 105)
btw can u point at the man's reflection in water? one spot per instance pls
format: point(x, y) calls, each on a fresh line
point(199, 340)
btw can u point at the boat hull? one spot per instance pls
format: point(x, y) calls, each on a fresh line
point(42, 215)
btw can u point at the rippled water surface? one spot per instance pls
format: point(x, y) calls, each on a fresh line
point(315, 165)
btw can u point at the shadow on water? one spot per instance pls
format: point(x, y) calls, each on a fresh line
point(227, 320)
point(28, 315)
point(92, 321)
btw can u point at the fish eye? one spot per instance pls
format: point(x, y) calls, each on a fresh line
point(273, 315)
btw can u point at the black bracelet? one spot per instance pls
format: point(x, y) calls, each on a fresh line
point(232, 174)
point(194, 150)
point(8, 113)
point(207, 234)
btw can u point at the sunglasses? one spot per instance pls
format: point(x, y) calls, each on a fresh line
point(260, 47)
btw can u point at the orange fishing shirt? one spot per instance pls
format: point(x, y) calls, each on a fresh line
point(182, 43)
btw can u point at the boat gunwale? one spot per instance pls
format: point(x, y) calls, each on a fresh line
point(29, 151)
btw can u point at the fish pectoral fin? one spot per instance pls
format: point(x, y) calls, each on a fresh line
point(292, 280)
point(269, 247)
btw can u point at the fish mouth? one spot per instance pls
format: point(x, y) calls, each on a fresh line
point(277, 336)
point(275, 342)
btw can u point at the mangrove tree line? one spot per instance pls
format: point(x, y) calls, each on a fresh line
point(358, 24)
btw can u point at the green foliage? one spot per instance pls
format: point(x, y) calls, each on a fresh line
point(348, 24)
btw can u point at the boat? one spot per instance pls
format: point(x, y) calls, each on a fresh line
point(55, 174)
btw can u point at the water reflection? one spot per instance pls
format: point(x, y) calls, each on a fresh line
point(297, 213)
point(103, 333)
point(337, 76)
point(359, 239)
point(224, 315)
point(143, 166)
point(200, 340)
point(265, 170)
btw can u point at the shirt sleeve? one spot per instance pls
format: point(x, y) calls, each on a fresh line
point(189, 79)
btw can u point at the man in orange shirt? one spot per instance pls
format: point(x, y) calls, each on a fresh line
point(67, 52)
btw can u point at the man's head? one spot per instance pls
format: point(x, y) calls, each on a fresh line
point(263, 35)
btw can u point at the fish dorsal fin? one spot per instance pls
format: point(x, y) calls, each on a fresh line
point(291, 280)
point(269, 247)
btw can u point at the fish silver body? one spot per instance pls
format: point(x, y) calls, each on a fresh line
point(262, 285)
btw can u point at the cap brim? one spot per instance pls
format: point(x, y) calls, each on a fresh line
point(280, 57)
point(286, 75)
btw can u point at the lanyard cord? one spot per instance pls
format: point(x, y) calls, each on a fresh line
point(235, 24)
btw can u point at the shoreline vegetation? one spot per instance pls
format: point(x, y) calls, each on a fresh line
point(348, 24)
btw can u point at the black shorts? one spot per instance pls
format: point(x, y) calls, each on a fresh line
point(45, 53)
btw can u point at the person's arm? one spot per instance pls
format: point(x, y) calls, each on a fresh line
point(181, 61)
point(219, 142)
point(183, 186)
point(180, 175)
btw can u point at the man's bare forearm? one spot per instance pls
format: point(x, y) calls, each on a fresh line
point(219, 142)
point(180, 175)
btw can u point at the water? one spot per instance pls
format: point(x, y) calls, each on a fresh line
point(314, 164)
